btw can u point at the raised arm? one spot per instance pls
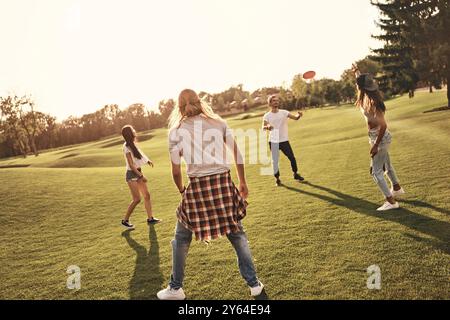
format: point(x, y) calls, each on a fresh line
point(355, 69)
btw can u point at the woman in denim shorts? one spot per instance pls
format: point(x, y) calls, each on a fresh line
point(135, 159)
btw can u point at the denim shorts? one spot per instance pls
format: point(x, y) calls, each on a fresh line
point(131, 175)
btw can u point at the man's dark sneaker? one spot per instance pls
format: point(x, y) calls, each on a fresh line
point(298, 177)
point(127, 224)
point(278, 183)
point(153, 221)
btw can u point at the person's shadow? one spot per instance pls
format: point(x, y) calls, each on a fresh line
point(147, 278)
point(418, 203)
point(432, 227)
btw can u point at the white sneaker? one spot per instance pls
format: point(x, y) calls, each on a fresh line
point(388, 206)
point(398, 193)
point(256, 291)
point(171, 294)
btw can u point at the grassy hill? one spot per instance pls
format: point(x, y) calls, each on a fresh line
point(311, 240)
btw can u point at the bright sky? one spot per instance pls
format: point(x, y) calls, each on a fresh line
point(75, 56)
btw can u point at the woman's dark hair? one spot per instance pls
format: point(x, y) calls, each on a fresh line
point(375, 100)
point(129, 136)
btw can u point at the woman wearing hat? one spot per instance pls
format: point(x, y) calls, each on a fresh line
point(211, 205)
point(373, 108)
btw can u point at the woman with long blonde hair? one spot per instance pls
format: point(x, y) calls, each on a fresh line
point(371, 104)
point(189, 105)
point(211, 206)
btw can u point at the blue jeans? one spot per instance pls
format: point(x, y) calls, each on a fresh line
point(180, 248)
point(286, 148)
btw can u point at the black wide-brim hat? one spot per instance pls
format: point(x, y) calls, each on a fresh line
point(367, 82)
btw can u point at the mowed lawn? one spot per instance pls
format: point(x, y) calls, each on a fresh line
point(312, 240)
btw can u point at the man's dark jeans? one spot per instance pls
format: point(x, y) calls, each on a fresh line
point(286, 148)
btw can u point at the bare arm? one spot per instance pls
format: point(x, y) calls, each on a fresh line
point(240, 168)
point(177, 176)
point(355, 69)
point(239, 161)
point(297, 117)
point(383, 127)
point(175, 153)
point(149, 162)
point(132, 166)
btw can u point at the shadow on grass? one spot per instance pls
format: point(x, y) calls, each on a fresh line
point(432, 227)
point(418, 203)
point(147, 278)
point(444, 108)
point(70, 155)
point(112, 144)
point(14, 166)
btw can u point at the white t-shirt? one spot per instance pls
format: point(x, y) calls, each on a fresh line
point(202, 143)
point(137, 162)
point(279, 122)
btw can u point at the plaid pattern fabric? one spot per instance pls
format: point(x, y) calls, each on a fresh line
point(211, 207)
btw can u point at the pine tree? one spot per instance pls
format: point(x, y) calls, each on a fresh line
point(396, 57)
point(417, 41)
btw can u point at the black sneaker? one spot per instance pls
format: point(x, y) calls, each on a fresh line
point(298, 177)
point(153, 221)
point(127, 224)
point(278, 182)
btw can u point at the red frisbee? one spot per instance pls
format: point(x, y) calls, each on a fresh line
point(309, 75)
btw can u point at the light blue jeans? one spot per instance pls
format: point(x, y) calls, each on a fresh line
point(180, 248)
point(381, 163)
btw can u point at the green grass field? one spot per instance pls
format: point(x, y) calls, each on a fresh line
point(310, 240)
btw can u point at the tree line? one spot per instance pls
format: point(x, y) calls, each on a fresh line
point(24, 130)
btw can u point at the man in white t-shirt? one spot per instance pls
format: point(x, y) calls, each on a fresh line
point(275, 121)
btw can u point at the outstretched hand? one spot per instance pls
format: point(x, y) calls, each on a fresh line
point(355, 69)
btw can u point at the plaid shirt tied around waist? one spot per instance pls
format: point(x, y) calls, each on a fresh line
point(211, 207)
